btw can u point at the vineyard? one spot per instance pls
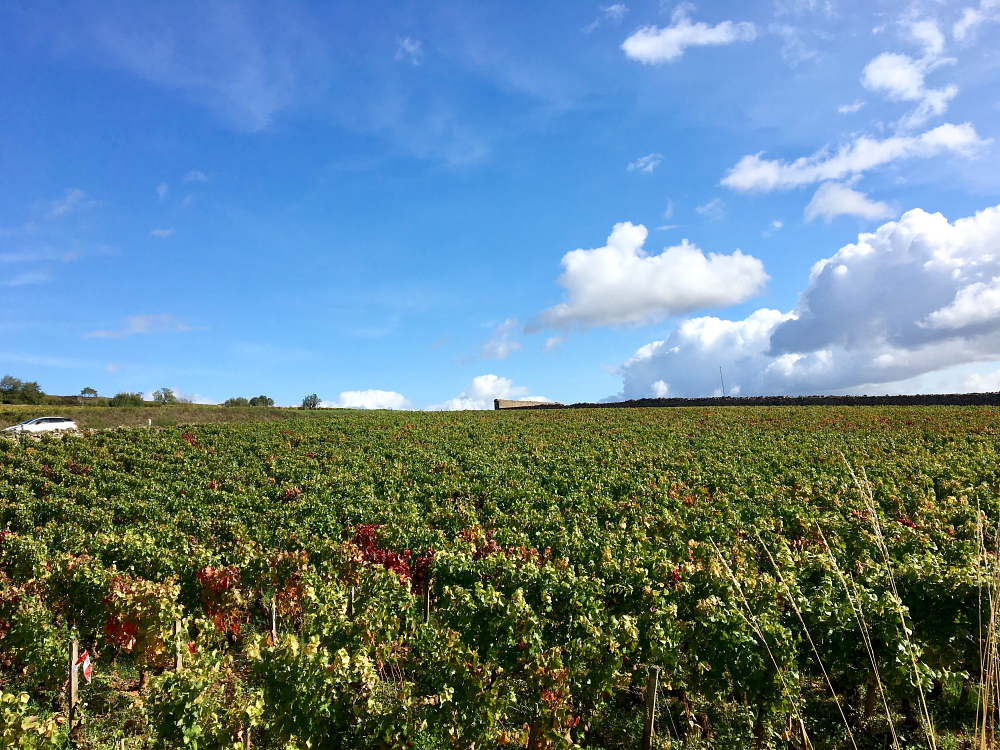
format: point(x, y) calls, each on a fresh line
point(814, 577)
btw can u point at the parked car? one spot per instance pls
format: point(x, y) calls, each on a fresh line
point(44, 424)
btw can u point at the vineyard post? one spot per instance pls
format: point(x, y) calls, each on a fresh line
point(74, 693)
point(647, 727)
point(350, 602)
point(427, 601)
point(274, 619)
point(178, 652)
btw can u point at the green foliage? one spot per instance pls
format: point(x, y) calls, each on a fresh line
point(16, 391)
point(88, 392)
point(261, 401)
point(565, 551)
point(240, 401)
point(21, 729)
point(125, 398)
point(165, 396)
point(312, 401)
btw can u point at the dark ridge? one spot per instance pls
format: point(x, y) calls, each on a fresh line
point(930, 399)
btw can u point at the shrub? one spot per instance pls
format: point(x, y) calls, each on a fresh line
point(126, 399)
point(236, 402)
point(261, 401)
point(16, 391)
point(88, 392)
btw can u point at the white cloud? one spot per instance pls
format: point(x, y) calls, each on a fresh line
point(981, 382)
point(370, 399)
point(755, 174)
point(162, 232)
point(714, 209)
point(646, 163)
point(614, 13)
point(554, 342)
point(652, 45)
point(162, 189)
point(777, 224)
point(973, 18)
point(479, 394)
point(900, 78)
point(914, 297)
point(410, 50)
point(23, 279)
point(849, 109)
point(834, 199)
point(195, 176)
point(142, 324)
point(74, 199)
point(620, 284)
point(502, 344)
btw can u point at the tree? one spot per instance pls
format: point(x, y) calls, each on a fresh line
point(239, 401)
point(311, 401)
point(88, 392)
point(16, 391)
point(261, 401)
point(164, 396)
point(126, 399)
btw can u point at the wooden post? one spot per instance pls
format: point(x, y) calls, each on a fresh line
point(647, 727)
point(74, 692)
point(350, 603)
point(246, 738)
point(274, 620)
point(179, 648)
point(427, 601)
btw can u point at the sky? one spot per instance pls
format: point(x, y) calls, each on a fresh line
point(435, 204)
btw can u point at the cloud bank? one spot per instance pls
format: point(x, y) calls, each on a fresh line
point(370, 399)
point(915, 296)
point(620, 284)
point(652, 45)
point(479, 394)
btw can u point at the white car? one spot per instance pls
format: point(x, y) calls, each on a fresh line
point(44, 424)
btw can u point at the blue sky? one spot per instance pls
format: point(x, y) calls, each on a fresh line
point(409, 204)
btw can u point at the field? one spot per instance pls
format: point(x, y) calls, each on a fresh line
point(802, 577)
point(101, 417)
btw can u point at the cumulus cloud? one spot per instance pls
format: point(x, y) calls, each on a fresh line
point(850, 109)
point(161, 190)
point(652, 45)
point(646, 163)
point(753, 174)
point(479, 394)
point(916, 296)
point(142, 324)
point(195, 176)
point(370, 399)
point(834, 199)
point(162, 232)
point(973, 18)
point(614, 13)
point(900, 78)
point(620, 284)
point(502, 344)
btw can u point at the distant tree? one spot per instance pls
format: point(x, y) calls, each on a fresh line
point(311, 401)
point(164, 396)
point(240, 401)
point(261, 401)
point(16, 391)
point(88, 392)
point(126, 399)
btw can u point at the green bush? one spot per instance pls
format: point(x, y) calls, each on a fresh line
point(16, 391)
point(240, 401)
point(312, 401)
point(165, 396)
point(261, 401)
point(126, 399)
